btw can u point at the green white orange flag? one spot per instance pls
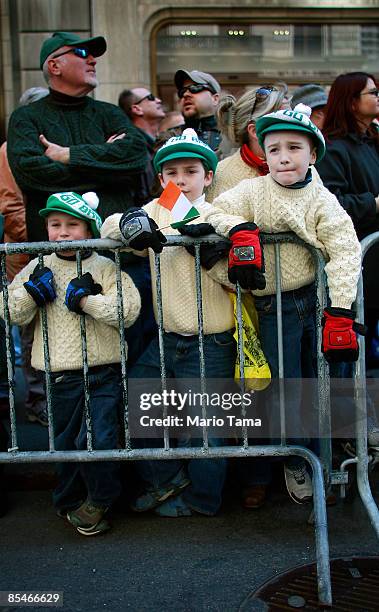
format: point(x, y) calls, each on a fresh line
point(182, 210)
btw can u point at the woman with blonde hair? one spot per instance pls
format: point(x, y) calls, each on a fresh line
point(236, 119)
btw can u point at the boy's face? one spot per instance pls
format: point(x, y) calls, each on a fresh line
point(61, 226)
point(188, 174)
point(289, 155)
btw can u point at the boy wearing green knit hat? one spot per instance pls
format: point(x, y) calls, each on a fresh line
point(185, 165)
point(85, 491)
point(291, 199)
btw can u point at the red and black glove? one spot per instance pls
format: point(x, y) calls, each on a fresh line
point(339, 335)
point(246, 263)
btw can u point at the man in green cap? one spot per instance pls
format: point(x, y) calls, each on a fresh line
point(68, 140)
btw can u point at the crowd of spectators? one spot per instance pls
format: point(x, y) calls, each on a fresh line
point(265, 160)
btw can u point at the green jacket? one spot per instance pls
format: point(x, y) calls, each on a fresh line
point(112, 170)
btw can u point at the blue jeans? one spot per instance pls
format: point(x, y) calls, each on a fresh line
point(299, 357)
point(139, 335)
point(182, 361)
point(98, 481)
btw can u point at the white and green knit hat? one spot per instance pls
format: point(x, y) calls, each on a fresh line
point(297, 119)
point(82, 207)
point(188, 144)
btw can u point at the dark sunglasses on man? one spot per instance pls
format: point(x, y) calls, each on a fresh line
point(194, 89)
point(149, 96)
point(82, 52)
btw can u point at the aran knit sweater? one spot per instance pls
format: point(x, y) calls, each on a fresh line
point(230, 171)
point(180, 312)
point(65, 347)
point(312, 213)
point(233, 170)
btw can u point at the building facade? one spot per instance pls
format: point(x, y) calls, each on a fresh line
point(241, 42)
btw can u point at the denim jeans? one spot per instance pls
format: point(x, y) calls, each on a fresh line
point(299, 357)
point(139, 335)
point(182, 361)
point(98, 481)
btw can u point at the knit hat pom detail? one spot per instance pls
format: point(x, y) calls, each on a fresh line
point(91, 199)
point(303, 108)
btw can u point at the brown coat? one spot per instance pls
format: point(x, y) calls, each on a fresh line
point(12, 207)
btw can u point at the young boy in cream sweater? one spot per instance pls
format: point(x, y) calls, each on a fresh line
point(288, 199)
point(189, 163)
point(85, 490)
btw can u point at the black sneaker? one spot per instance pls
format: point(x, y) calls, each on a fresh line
point(89, 519)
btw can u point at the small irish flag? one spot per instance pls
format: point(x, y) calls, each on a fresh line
point(182, 210)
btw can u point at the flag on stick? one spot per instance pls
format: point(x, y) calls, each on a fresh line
point(182, 210)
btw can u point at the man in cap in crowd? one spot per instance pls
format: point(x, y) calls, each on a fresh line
point(68, 140)
point(199, 94)
point(315, 97)
point(146, 112)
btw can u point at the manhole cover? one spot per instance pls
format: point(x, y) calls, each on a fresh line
point(355, 588)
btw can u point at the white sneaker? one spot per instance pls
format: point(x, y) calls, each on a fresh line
point(299, 483)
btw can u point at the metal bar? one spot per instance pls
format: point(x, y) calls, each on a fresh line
point(200, 323)
point(241, 358)
point(279, 323)
point(46, 357)
point(166, 437)
point(83, 334)
point(10, 365)
point(121, 328)
point(360, 396)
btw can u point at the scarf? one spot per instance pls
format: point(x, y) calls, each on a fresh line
point(253, 160)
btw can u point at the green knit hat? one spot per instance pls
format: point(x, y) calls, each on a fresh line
point(96, 45)
point(75, 205)
point(187, 144)
point(297, 120)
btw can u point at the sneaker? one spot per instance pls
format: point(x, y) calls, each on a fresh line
point(89, 519)
point(173, 508)
point(299, 483)
point(152, 498)
point(38, 414)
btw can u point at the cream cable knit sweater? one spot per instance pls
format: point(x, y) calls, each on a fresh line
point(233, 170)
point(178, 279)
point(103, 339)
point(314, 214)
point(230, 171)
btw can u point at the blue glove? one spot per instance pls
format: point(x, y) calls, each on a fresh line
point(78, 288)
point(40, 286)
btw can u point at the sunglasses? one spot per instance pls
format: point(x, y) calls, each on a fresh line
point(261, 94)
point(149, 96)
point(193, 89)
point(82, 52)
point(373, 92)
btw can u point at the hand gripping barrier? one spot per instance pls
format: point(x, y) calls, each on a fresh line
point(321, 468)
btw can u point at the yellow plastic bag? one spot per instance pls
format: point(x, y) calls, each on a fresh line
point(256, 369)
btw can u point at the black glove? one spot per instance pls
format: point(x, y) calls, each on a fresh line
point(246, 264)
point(210, 254)
point(140, 232)
point(40, 286)
point(78, 288)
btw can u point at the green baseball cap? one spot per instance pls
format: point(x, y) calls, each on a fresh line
point(96, 45)
point(297, 120)
point(187, 144)
point(75, 205)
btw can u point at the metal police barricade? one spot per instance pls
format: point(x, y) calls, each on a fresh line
point(362, 459)
point(166, 451)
